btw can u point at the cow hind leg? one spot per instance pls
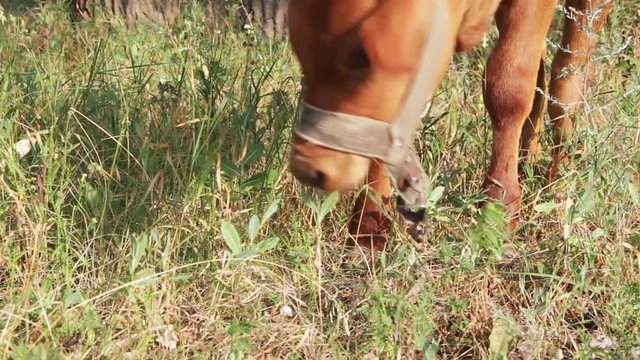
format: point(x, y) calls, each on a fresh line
point(510, 81)
point(369, 224)
point(530, 147)
point(570, 70)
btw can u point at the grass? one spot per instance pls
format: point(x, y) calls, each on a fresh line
point(146, 211)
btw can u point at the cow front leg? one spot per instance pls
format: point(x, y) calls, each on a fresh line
point(510, 82)
point(369, 224)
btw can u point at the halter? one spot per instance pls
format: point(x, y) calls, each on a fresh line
point(389, 142)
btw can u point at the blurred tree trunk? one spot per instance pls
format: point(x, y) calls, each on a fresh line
point(159, 11)
point(268, 17)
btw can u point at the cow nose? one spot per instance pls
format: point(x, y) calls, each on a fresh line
point(309, 176)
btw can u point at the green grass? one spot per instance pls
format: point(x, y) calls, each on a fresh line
point(153, 215)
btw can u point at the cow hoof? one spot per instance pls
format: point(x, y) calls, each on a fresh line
point(421, 232)
point(510, 197)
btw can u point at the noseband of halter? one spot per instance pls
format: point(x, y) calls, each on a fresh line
point(389, 142)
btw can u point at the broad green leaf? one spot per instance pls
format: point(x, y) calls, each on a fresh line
point(502, 337)
point(261, 179)
point(430, 350)
point(273, 207)
point(597, 233)
point(71, 298)
point(586, 202)
point(154, 236)
point(246, 254)
point(254, 227)
point(633, 192)
point(255, 150)
point(547, 207)
point(180, 277)
point(635, 240)
point(94, 198)
point(147, 275)
point(272, 177)
point(231, 237)
point(266, 245)
point(230, 169)
point(308, 200)
point(436, 194)
point(328, 204)
point(138, 249)
point(494, 214)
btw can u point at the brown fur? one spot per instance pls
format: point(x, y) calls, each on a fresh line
point(325, 33)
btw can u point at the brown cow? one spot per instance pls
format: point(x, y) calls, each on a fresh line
point(359, 57)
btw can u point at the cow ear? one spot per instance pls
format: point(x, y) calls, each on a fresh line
point(393, 34)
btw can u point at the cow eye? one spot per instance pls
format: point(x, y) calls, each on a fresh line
point(359, 60)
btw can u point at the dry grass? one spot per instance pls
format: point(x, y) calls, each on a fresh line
point(143, 142)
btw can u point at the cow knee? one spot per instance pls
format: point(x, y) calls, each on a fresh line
point(509, 100)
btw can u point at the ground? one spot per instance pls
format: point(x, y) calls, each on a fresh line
point(146, 210)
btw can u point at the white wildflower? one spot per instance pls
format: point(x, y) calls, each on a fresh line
point(22, 147)
point(286, 310)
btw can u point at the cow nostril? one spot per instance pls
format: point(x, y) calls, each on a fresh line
point(314, 178)
point(311, 177)
point(319, 178)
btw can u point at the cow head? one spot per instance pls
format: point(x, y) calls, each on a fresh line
point(359, 57)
